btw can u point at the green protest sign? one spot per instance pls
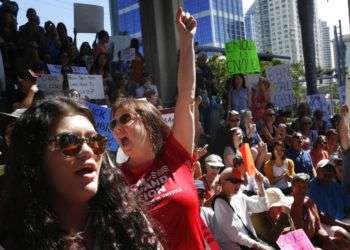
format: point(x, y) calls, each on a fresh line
point(241, 57)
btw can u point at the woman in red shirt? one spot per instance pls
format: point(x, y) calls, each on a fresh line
point(159, 159)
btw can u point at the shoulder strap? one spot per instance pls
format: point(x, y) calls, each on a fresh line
point(250, 233)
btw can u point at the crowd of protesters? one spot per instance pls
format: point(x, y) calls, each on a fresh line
point(184, 187)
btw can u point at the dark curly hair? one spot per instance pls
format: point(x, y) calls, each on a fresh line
point(27, 218)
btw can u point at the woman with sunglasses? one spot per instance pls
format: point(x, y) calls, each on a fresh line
point(280, 170)
point(61, 191)
point(159, 165)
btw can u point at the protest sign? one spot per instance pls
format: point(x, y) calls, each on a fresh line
point(79, 70)
point(50, 84)
point(281, 80)
point(128, 54)
point(56, 69)
point(319, 102)
point(248, 160)
point(2, 74)
point(102, 116)
point(119, 43)
point(241, 57)
point(295, 240)
point(168, 116)
point(345, 92)
point(88, 18)
point(87, 85)
point(252, 80)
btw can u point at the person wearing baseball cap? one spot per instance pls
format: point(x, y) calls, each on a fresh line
point(232, 211)
point(328, 195)
point(307, 216)
point(213, 165)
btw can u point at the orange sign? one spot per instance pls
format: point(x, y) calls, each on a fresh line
point(247, 156)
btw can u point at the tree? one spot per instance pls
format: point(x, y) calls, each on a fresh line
point(306, 14)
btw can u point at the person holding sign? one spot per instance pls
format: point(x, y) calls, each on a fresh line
point(159, 165)
point(61, 192)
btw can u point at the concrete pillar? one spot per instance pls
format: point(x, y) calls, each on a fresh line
point(114, 16)
point(160, 44)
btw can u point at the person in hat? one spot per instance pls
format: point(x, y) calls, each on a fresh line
point(328, 195)
point(270, 224)
point(213, 165)
point(306, 216)
point(27, 92)
point(232, 211)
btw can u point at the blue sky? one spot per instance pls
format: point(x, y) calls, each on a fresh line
point(62, 11)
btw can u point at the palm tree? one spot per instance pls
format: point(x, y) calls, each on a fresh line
point(306, 14)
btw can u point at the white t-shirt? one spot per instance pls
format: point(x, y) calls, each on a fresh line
point(277, 171)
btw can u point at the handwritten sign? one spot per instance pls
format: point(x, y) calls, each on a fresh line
point(241, 57)
point(295, 240)
point(319, 102)
point(87, 85)
point(252, 80)
point(128, 54)
point(79, 70)
point(168, 116)
point(57, 69)
point(50, 84)
point(54, 69)
point(102, 117)
point(281, 79)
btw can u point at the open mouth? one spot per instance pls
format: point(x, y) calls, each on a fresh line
point(88, 172)
point(124, 141)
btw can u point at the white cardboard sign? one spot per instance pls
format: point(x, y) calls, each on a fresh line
point(88, 18)
point(50, 84)
point(87, 85)
point(281, 79)
point(128, 54)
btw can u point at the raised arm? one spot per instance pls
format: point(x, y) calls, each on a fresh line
point(183, 128)
point(344, 128)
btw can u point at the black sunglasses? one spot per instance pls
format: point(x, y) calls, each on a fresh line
point(71, 144)
point(122, 120)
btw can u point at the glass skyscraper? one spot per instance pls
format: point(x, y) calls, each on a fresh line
point(219, 21)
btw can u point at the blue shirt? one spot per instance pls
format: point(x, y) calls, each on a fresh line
point(302, 161)
point(239, 99)
point(330, 198)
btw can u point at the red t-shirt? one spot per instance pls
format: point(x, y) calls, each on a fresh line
point(167, 188)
